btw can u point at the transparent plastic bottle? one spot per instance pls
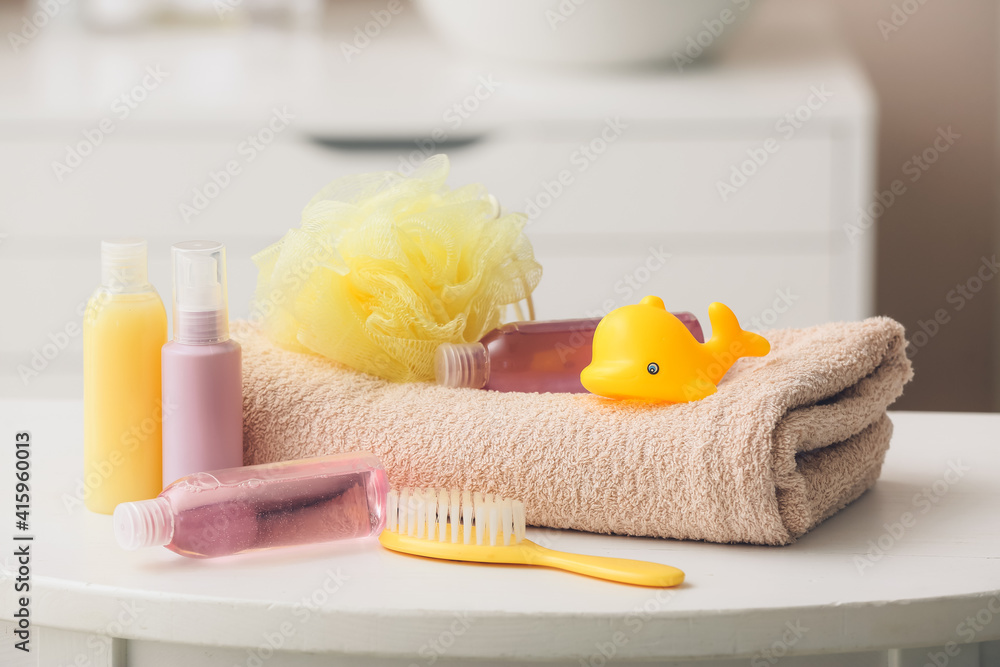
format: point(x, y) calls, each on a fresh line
point(202, 368)
point(225, 512)
point(528, 356)
point(124, 327)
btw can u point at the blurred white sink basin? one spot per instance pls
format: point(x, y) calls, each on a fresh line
point(585, 32)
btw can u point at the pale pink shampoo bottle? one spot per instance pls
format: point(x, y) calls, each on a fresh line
point(225, 512)
point(201, 368)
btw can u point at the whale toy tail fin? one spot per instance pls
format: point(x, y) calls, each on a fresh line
point(730, 342)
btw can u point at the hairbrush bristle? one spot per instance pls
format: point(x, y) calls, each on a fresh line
point(448, 515)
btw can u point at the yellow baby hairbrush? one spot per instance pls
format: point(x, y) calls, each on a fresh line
point(453, 525)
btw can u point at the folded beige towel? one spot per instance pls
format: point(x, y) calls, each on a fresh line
point(788, 440)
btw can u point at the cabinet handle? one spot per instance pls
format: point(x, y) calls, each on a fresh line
point(395, 144)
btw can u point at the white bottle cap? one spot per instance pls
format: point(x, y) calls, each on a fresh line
point(462, 365)
point(201, 310)
point(144, 523)
point(123, 264)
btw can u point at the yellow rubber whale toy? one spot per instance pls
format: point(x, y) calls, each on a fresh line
point(644, 352)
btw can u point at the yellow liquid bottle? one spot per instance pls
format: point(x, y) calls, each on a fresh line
point(124, 329)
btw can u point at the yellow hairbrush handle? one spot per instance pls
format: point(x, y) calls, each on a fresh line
point(526, 552)
point(624, 570)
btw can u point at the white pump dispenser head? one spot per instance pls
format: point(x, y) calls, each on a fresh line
point(201, 304)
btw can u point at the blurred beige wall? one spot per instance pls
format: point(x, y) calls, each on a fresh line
point(937, 70)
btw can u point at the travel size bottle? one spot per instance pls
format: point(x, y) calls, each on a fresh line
point(202, 368)
point(224, 512)
point(528, 356)
point(124, 327)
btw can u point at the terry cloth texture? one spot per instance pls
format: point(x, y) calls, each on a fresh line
point(788, 440)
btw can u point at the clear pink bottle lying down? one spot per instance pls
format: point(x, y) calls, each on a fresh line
point(223, 512)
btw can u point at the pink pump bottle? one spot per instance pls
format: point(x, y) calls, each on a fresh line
point(528, 356)
point(201, 368)
point(224, 512)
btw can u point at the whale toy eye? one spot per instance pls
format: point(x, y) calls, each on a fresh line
point(653, 368)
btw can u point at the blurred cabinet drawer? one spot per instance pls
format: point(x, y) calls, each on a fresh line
point(658, 185)
point(158, 187)
point(140, 186)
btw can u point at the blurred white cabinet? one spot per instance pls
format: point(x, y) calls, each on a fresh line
point(620, 173)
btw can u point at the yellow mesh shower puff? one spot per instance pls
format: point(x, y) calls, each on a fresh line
point(385, 268)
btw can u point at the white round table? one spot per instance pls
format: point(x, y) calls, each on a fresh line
point(908, 574)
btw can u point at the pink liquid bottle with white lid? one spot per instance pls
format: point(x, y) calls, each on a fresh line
point(225, 512)
point(202, 368)
point(528, 356)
